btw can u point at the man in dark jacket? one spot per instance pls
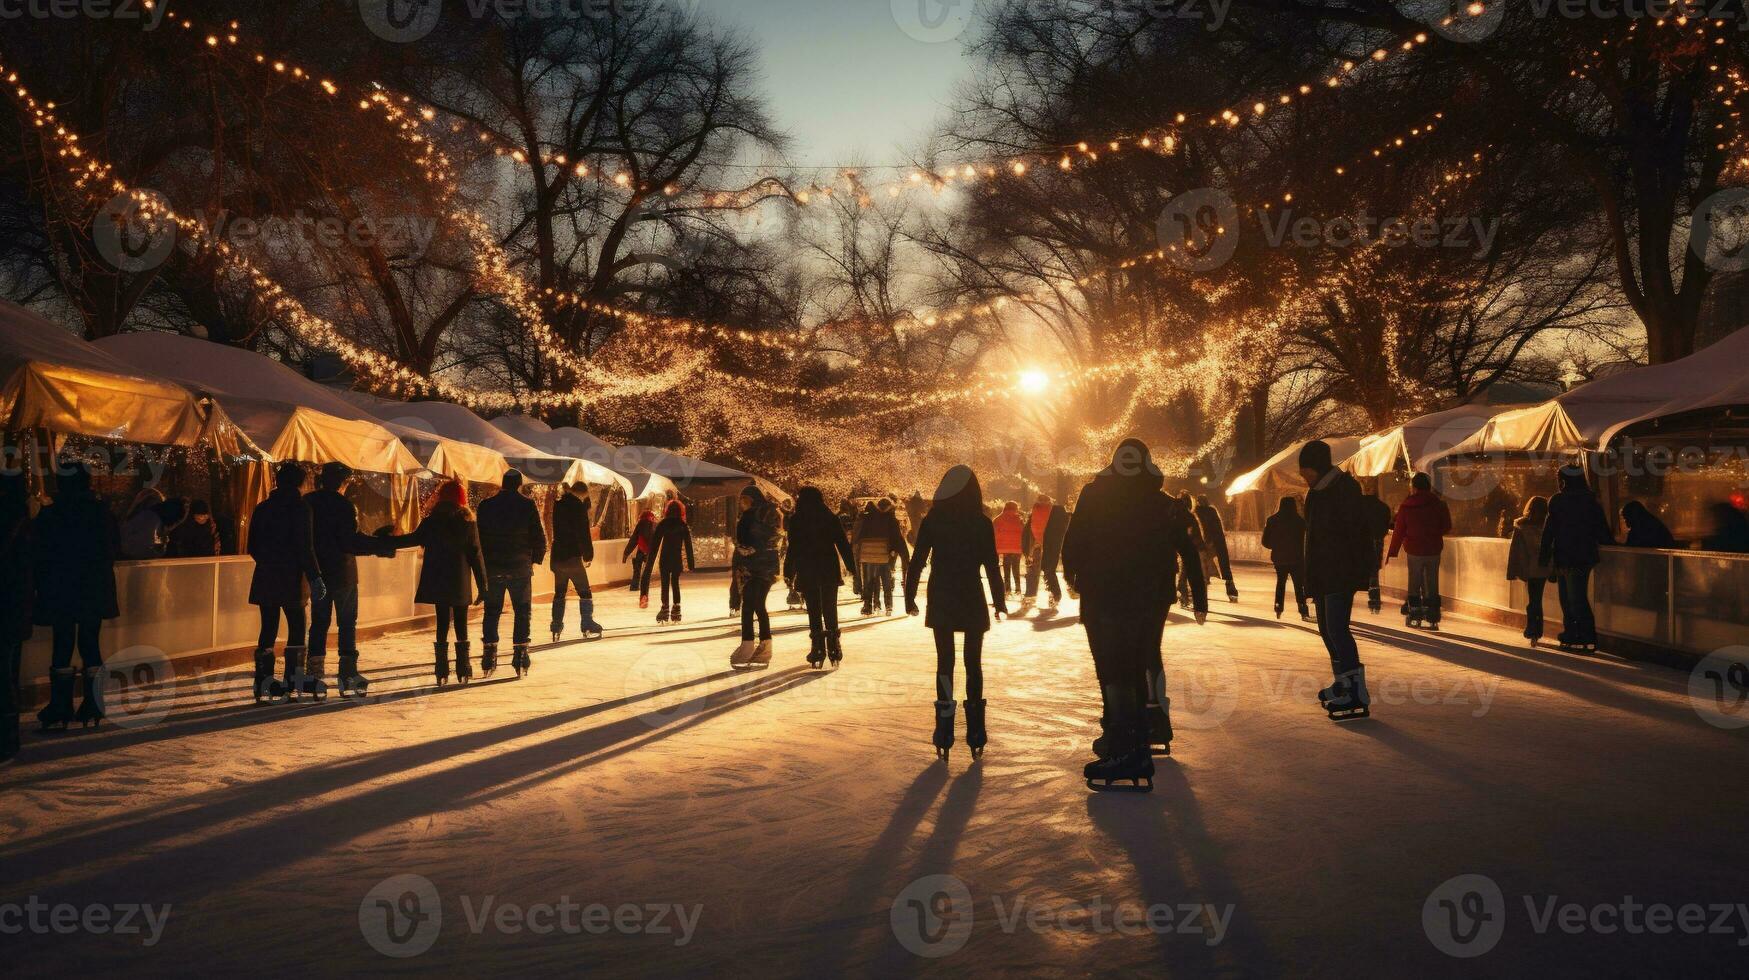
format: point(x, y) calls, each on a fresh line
point(1340, 561)
point(1215, 533)
point(878, 539)
point(1042, 542)
point(1380, 521)
point(77, 540)
point(1121, 553)
point(338, 543)
point(513, 541)
point(1575, 528)
point(573, 551)
point(281, 540)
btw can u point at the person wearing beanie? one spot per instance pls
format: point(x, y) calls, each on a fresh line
point(1339, 561)
point(453, 576)
point(1422, 523)
point(282, 542)
point(755, 567)
point(512, 541)
point(572, 553)
point(338, 544)
point(1575, 528)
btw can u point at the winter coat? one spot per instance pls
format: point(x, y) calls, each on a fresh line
point(77, 540)
point(17, 586)
point(337, 540)
point(512, 539)
point(1124, 547)
point(1380, 519)
point(641, 540)
point(671, 544)
point(1214, 533)
point(1284, 535)
point(961, 546)
point(1522, 559)
point(879, 537)
point(454, 566)
point(282, 542)
point(1649, 532)
point(915, 508)
point(572, 541)
point(1010, 530)
point(1046, 540)
point(1423, 521)
point(1340, 551)
point(192, 539)
point(757, 537)
point(1574, 530)
point(817, 549)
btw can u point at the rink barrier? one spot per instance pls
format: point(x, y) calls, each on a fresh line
point(196, 611)
point(1667, 606)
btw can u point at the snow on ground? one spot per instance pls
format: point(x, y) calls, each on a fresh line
point(792, 812)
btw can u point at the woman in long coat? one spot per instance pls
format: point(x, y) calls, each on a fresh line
point(961, 539)
point(454, 575)
point(282, 542)
point(817, 549)
point(77, 540)
point(756, 566)
point(670, 554)
point(16, 595)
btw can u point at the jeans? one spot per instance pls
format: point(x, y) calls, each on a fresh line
point(343, 604)
point(452, 614)
point(753, 596)
point(1011, 574)
point(822, 602)
point(1334, 613)
point(1533, 609)
point(1424, 584)
point(571, 574)
point(1033, 573)
point(877, 581)
point(294, 628)
point(1283, 576)
point(520, 589)
point(1574, 585)
point(974, 654)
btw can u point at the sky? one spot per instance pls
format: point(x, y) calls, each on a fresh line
point(853, 81)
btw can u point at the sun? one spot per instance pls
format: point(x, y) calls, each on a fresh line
point(1034, 382)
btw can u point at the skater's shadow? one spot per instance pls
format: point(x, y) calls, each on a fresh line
point(1045, 624)
point(935, 858)
point(791, 630)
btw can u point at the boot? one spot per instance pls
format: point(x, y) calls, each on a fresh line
point(1106, 745)
point(677, 612)
point(292, 678)
point(1433, 612)
point(440, 650)
point(90, 713)
point(943, 728)
point(1278, 609)
point(315, 669)
point(976, 736)
point(519, 660)
point(834, 651)
point(586, 613)
point(762, 654)
point(662, 616)
point(1056, 602)
point(1350, 698)
point(1134, 764)
point(488, 659)
point(59, 711)
point(743, 655)
point(1159, 714)
point(817, 651)
point(352, 684)
point(464, 662)
point(644, 601)
point(267, 687)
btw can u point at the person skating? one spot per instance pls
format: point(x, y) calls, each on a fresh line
point(1044, 548)
point(1575, 528)
point(17, 595)
point(1122, 554)
point(817, 549)
point(879, 540)
point(1185, 506)
point(453, 577)
point(338, 543)
point(755, 567)
point(572, 553)
point(1284, 537)
point(1380, 520)
point(961, 541)
point(282, 542)
point(1523, 564)
point(671, 554)
point(1339, 564)
point(77, 540)
point(915, 508)
point(1010, 535)
point(1423, 521)
point(638, 553)
point(512, 542)
point(1214, 533)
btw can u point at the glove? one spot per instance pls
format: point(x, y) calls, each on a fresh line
point(911, 608)
point(318, 589)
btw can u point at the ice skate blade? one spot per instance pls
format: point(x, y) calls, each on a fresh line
point(941, 754)
point(1158, 750)
point(1143, 784)
point(977, 754)
point(1349, 714)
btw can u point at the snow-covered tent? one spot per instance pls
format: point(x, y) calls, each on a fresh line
point(1591, 416)
point(698, 479)
point(1281, 474)
point(1415, 444)
point(289, 416)
point(575, 443)
point(53, 380)
point(455, 422)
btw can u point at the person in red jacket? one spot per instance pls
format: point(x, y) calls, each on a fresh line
point(1423, 521)
point(638, 553)
point(1010, 530)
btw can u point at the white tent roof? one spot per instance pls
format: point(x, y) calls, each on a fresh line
point(51, 379)
point(1281, 474)
point(457, 423)
point(286, 414)
point(1415, 444)
point(697, 478)
point(1591, 416)
point(575, 443)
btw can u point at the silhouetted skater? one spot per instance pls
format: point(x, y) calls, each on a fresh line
point(453, 576)
point(1284, 536)
point(1214, 534)
point(282, 542)
point(1340, 561)
point(755, 568)
point(1575, 528)
point(512, 541)
point(670, 555)
point(338, 543)
point(817, 549)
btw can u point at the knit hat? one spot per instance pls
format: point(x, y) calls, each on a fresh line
point(1316, 456)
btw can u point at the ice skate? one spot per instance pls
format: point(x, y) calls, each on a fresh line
point(663, 615)
point(488, 660)
point(311, 683)
point(267, 687)
point(1027, 604)
point(677, 617)
point(643, 602)
point(1160, 727)
point(90, 713)
point(464, 663)
point(793, 600)
point(1232, 595)
point(59, 711)
point(1132, 765)
point(817, 652)
point(976, 736)
point(868, 607)
point(440, 662)
point(762, 654)
point(586, 620)
point(558, 632)
point(834, 650)
point(1056, 602)
point(742, 658)
point(351, 683)
point(519, 660)
point(944, 728)
point(1349, 698)
point(889, 607)
point(1279, 608)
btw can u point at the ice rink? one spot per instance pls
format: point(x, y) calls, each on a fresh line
point(635, 808)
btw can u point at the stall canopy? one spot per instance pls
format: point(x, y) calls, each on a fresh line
point(1282, 473)
point(1591, 416)
point(575, 443)
point(457, 423)
point(53, 380)
point(698, 479)
point(1414, 445)
point(289, 416)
